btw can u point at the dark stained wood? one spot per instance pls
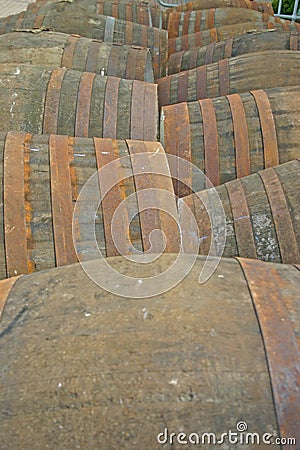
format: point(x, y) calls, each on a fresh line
point(52, 49)
point(238, 136)
point(280, 340)
point(204, 38)
point(38, 206)
point(262, 214)
point(63, 102)
point(14, 204)
point(70, 18)
point(61, 198)
point(188, 23)
point(231, 47)
point(249, 4)
point(99, 359)
point(235, 75)
point(138, 12)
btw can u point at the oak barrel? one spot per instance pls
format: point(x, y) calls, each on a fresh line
point(41, 179)
point(262, 215)
point(231, 47)
point(81, 367)
point(231, 137)
point(259, 70)
point(70, 18)
point(189, 41)
point(204, 4)
point(190, 22)
point(138, 12)
point(77, 103)
point(74, 52)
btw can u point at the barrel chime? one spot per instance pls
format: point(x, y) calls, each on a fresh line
point(149, 225)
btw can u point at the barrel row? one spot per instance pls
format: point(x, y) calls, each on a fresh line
point(65, 378)
point(150, 15)
point(262, 215)
point(265, 7)
point(41, 179)
point(74, 52)
point(76, 103)
point(234, 75)
point(67, 18)
point(231, 137)
point(202, 38)
point(190, 22)
point(232, 47)
point(140, 13)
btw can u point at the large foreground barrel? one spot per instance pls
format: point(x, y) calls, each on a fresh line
point(189, 22)
point(85, 104)
point(231, 47)
point(138, 12)
point(41, 178)
point(234, 136)
point(70, 18)
point(83, 368)
point(234, 75)
point(74, 52)
point(262, 215)
point(189, 41)
point(203, 4)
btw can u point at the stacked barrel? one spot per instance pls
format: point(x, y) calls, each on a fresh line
point(145, 142)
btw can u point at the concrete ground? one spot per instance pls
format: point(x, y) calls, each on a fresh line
point(8, 7)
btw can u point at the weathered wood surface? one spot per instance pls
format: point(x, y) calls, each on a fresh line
point(70, 18)
point(190, 22)
point(40, 180)
point(80, 366)
point(262, 215)
point(52, 49)
point(239, 134)
point(261, 70)
point(206, 4)
point(141, 13)
point(231, 47)
point(189, 41)
point(76, 103)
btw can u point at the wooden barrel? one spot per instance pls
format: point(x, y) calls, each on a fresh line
point(76, 103)
point(189, 41)
point(231, 137)
point(41, 178)
point(203, 4)
point(74, 52)
point(262, 215)
point(231, 47)
point(138, 12)
point(81, 366)
point(70, 18)
point(261, 70)
point(190, 22)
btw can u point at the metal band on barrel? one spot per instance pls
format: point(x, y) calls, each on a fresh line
point(266, 285)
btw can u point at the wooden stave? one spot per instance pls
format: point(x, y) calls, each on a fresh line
point(190, 22)
point(67, 18)
point(284, 108)
point(54, 106)
point(74, 52)
point(207, 37)
point(255, 226)
point(199, 4)
point(228, 76)
point(90, 315)
point(36, 241)
point(247, 43)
